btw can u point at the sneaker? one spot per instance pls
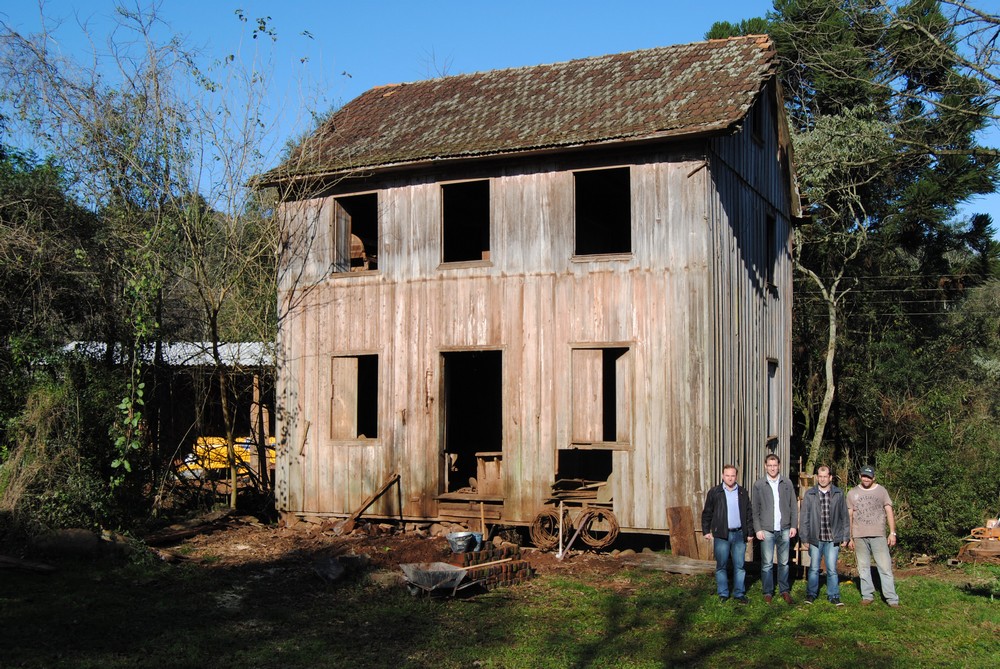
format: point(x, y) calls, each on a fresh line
point(742, 600)
point(836, 601)
point(894, 605)
point(787, 597)
point(866, 602)
point(810, 599)
point(723, 600)
point(767, 599)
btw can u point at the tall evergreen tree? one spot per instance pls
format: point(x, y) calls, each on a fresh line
point(885, 131)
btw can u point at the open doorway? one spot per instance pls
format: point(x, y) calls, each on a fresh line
point(473, 418)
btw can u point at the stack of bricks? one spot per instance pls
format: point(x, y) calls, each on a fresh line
point(511, 572)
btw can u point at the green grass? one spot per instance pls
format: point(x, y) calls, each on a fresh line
point(282, 615)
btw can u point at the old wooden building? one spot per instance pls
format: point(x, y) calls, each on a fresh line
point(499, 280)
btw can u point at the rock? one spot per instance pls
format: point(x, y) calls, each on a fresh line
point(628, 552)
point(387, 578)
point(329, 569)
point(355, 562)
point(77, 542)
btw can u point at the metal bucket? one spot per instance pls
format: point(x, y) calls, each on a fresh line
point(461, 542)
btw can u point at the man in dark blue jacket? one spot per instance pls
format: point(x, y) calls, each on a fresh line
point(726, 522)
point(826, 528)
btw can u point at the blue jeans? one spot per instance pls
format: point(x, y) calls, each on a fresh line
point(830, 550)
point(771, 541)
point(866, 548)
point(735, 547)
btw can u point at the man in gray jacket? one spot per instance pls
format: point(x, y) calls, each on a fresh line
point(825, 528)
point(776, 518)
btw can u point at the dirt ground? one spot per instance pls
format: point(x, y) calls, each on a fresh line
point(242, 542)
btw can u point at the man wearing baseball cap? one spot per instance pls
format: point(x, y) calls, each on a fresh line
point(869, 508)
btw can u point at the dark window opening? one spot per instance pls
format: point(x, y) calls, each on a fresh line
point(354, 397)
point(466, 221)
point(367, 396)
point(602, 382)
point(603, 212)
point(609, 409)
point(757, 123)
point(356, 235)
point(771, 250)
point(591, 465)
point(772, 402)
point(473, 416)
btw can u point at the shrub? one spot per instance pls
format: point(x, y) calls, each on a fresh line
point(947, 480)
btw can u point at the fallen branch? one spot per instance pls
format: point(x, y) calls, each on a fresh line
point(25, 565)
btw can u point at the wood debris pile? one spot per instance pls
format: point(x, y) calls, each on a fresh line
point(581, 492)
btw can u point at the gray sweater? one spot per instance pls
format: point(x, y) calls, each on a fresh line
point(763, 505)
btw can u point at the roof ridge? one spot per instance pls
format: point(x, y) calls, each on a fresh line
point(759, 38)
point(655, 93)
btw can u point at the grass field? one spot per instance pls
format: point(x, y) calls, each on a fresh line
point(152, 615)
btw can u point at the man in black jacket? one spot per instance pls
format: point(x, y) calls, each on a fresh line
point(726, 522)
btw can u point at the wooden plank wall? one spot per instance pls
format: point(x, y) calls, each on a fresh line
point(695, 392)
point(752, 320)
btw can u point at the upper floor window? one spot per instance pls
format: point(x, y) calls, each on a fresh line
point(603, 211)
point(757, 118)
point(771, 249)
point(355, 234)
point(465, 229)
point(773, 422)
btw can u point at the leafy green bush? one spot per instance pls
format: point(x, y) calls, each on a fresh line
point(54, 474)
point(947, 481)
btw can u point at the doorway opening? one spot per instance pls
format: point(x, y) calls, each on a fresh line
point(473, 421)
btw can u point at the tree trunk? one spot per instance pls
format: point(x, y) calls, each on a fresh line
point(230, 440)
point(824, 410)
point(261, 433)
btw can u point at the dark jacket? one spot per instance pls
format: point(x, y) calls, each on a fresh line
point(840, 523)
point(715, 518)
point(763, 504)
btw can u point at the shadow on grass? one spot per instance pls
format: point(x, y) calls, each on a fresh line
point(990, 591)
point(280, 613)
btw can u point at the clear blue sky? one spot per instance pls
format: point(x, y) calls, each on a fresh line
point(392, 41)
point(359, 44)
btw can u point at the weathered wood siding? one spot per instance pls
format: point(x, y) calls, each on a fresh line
point(686, 303)
point(751, 302)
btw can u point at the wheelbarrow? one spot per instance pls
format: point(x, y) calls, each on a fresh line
point(440, 577)
point(432, 577)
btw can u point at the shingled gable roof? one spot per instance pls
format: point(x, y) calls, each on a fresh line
point(667, 92)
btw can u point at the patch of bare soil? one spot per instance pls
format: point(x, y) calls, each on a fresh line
point(241, 542)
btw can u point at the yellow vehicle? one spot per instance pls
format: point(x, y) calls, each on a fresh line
point(209, 457)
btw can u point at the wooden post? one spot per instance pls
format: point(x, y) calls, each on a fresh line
point(684, 538)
